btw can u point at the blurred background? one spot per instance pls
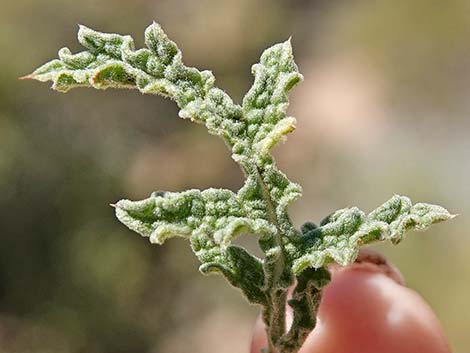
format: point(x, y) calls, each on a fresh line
point(384, 109)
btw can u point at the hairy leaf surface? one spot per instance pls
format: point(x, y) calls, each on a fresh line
point(341, 234)
point(216, 213)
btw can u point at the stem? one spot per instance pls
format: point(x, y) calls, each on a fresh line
point(277, 269)
point(274, 316)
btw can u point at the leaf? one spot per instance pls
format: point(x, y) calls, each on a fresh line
point(211, 219)
point(281, 190)
point(304, 302)
point(111, 61)
point(242, 270)
point(266, 103)
point(340, 235)
point(217, 213)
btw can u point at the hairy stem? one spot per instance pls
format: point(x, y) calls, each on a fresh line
point(274, 316)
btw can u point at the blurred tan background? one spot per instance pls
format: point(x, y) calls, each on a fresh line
point(384, 109)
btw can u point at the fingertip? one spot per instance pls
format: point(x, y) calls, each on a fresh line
point(258, 341)
point(367, 309)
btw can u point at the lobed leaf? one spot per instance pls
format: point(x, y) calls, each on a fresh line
point(266, 102)
point(340, 235)
point(216, 213)
point(111, 61)
point(242, 270)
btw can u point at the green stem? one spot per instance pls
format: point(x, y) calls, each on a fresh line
point(275, 316)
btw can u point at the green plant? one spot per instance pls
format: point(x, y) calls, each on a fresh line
point(212, 218)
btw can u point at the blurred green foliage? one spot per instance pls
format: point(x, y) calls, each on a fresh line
point(386, 91)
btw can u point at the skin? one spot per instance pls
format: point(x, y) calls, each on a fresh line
point(367, 309)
